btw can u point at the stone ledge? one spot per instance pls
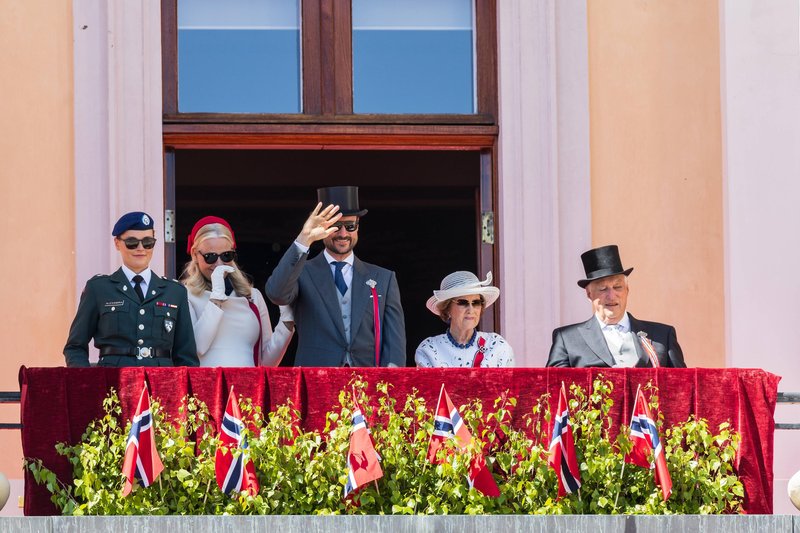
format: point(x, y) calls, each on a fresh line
point(406, 524)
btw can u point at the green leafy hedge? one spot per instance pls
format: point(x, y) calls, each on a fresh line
point(304, 472)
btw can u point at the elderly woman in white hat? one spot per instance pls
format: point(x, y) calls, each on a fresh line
point(460, 303)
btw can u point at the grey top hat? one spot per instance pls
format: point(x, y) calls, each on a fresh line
point(345, 196)
point(601, 263)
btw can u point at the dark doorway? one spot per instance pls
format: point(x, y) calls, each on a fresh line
point(422, 221)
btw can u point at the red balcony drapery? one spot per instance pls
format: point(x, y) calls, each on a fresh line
point(58, 403)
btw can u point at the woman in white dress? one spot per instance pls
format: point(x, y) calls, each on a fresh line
point(460, 303)
point(230, 318)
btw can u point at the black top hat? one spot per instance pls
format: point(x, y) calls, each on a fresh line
point(346, 197)
point(601, 263)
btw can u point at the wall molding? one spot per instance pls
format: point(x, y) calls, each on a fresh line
point(544, 185)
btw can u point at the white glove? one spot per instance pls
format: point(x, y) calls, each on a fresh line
point(287, 315)
point(218, 282)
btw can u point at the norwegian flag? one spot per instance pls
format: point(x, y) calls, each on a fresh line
point(141, 457)
point(562, 449)
point(363, 462)
point(234, 474)
point(644, 436)
point(448, 424)
point(481, 479)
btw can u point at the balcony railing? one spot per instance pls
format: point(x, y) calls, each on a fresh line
point(783, 397)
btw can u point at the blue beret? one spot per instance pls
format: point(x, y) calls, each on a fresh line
point(135, 220)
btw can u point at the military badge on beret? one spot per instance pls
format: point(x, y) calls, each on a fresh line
point(136, 220)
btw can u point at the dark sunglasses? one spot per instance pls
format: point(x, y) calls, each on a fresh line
point(132, 243)
point(211, 257)
point(349, 226)
point(461, 302)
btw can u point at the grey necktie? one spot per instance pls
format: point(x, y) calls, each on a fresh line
point(615, 338)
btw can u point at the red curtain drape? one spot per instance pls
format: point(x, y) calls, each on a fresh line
point(58, 403)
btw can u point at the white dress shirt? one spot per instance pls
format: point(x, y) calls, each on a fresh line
point(616, 336)
point(347, 269)
point(146, 273)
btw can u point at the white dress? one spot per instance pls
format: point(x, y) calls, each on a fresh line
point(225, 336)
point(438, 351)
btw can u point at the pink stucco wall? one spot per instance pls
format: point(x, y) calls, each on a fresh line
point(761, 115)
point(36, 193)
point(698, 124)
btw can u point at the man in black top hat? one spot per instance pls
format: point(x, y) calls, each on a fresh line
point(336, 297)
point(612, 337)
point(135, 317)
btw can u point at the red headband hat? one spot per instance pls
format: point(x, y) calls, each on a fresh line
point(205, 221)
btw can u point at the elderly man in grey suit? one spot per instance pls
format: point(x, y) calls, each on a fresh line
point(336, 297)
point(612, 337)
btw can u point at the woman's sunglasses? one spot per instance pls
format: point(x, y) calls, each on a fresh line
point(461, 302)
point(132, 243)
point(211, 257)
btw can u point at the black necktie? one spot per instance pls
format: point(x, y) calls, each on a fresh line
point(137, 286)
point(338, 278)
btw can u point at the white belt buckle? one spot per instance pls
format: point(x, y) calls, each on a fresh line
point(143, 352)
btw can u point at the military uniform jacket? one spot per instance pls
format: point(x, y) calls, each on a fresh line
point(110, 312)
point(584, 345)
point(307, 285)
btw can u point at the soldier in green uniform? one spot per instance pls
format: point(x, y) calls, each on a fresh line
point(135, 317)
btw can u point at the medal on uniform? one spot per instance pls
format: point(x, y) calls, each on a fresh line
point(168, 325)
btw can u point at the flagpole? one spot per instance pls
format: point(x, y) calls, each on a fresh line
point(564, 392)
point(153, 429)
point(205, 497)
point(438, 402)
point(564, 388)
point(635, 399)
point(425, 465)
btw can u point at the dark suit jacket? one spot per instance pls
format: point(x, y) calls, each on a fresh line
point(583, 345)
point(110, 312)
point(308, 286)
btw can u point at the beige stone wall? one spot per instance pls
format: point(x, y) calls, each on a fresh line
point(656, 161)
point(36, 196)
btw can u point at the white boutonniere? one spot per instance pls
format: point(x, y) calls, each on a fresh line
point(642, 334)
point(371, 283)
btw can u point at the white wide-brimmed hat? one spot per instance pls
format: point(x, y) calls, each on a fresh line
point(462, 283)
